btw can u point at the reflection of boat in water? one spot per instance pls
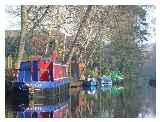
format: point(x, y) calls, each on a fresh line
point(17, 89)
point(44, 108)
point(91, 89)
point(44, 103)
point(43, 111)
point(104, 88)
point(116, 90)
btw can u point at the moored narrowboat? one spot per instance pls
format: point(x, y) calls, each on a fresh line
point(90, 82)
point(42, 74)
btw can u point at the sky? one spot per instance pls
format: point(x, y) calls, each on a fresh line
point(12, 21)
point(151, 19)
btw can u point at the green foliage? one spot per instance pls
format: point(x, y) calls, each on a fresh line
point(141, 26)
point(140, 34)
point(117, 75)
point(105, 69)
point(92, 72)
point(11, 47)
point(117, 90)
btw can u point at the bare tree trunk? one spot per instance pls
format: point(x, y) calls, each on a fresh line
point(84, 19)
point(98, 36)
point(22, 35)
point(27, 34)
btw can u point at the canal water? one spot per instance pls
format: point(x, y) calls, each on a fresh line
point(80, 102)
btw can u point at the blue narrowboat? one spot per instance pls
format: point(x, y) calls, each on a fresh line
point(90, 82)
point(41, 74)
point(106, 81)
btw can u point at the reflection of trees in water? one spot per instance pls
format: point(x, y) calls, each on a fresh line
point(140, 98)
point(104, 104)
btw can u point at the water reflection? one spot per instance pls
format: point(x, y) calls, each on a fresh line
point(78, 102)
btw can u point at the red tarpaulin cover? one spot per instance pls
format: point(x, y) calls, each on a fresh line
point(57, 71)
point(43, 114)
point(60, 112)
point(56, 114)
point(43, 70)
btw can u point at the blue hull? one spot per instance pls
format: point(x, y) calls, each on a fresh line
point(47, 84)
point(90, 83)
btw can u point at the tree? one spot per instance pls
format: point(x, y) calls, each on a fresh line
point(22, 35)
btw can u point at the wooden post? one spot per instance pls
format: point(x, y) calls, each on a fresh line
point(6, 62)
point(11, 62)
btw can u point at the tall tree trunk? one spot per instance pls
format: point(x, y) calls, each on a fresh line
point(84, 19)
point(97, 37)
point(27, 34)
point(22, 34)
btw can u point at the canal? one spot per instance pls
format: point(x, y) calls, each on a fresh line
point(80, 102)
